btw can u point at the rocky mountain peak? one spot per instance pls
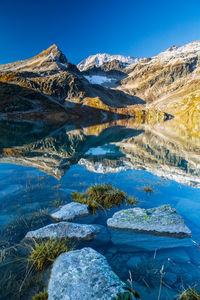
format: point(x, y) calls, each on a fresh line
point(99, 59)
point(51, 59)
point(180, 52)
point(55, 54)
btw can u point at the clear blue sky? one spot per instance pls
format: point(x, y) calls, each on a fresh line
point(84, 27)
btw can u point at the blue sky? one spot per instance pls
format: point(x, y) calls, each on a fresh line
point(84, 27)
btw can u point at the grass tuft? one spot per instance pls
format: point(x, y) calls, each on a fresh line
point(41, 296)
point(100, 196)
point(148, 190)
point(132, 201)
point(125, 296)
point(44, 253)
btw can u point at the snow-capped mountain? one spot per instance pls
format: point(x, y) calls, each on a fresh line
point(180, 52)
point(164, 80)
point(102, 58)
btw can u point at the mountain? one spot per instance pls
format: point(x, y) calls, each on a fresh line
point(106, 69)
point(166, 79)
point(169, 81)
point(48, 87)
point(102, 58)
point(48, 83)
point(48, 72)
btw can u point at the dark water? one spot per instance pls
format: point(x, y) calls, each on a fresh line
point(40, 165)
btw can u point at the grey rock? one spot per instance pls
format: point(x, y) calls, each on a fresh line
point(71, 211)
point(82, 232)
point(83, 275)
point(162, 221)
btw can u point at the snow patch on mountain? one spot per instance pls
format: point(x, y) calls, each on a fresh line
point(98, 151)
point(98, 79)
point(99, 59)
point(99, 167)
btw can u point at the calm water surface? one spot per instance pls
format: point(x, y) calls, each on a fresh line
point(42, 165)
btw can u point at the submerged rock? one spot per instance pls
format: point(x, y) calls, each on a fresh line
point(127, 241)
point(162, 221)
point(82, 232)
point(71, 211)
point(83, 274)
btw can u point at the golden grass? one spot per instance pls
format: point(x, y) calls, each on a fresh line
point(44, 253)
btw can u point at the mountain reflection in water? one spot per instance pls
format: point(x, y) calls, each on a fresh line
point(168, 149)
point(126, 153)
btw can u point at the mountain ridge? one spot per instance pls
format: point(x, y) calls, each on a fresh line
point(100, 58)
point(112, 83)
point(49, 76)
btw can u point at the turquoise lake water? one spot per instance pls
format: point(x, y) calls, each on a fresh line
point(49, 167)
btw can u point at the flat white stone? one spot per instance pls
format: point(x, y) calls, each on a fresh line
point(83, 275)
point(71, 211)
point(81, 232)
point(161, 221)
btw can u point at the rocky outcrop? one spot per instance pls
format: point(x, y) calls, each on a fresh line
point(60, 230)
point(160, 221)
point(48, 83)
point(164, 74)
point(21, 103)
point(83, 274)
point(137, 229)
point(71, 211)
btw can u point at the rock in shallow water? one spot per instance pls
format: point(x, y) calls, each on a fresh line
point(71, 211)
point(134, 242)
point(83, 275)
point(161, 221)
point(82, 232)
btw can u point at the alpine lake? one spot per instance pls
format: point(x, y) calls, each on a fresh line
point(41, 166)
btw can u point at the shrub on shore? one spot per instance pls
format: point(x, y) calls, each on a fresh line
point(102, 196)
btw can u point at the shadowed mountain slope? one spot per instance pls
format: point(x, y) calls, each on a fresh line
point(48, 82)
